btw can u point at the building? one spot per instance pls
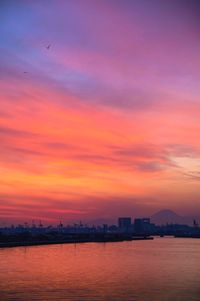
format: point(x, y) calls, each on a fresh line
point(124, 223)
point(142, 225)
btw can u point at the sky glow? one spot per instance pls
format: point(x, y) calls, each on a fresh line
point(105, 122)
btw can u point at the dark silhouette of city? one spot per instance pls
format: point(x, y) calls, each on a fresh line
point(126, 229)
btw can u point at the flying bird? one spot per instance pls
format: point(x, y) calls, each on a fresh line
point(48, 47)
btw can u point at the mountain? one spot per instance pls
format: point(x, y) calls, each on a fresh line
point(168, 216)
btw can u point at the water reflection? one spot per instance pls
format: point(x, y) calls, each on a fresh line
point(162, 269)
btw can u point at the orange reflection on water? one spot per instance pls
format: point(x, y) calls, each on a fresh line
point(162, 269)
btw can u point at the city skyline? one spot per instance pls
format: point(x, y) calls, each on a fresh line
point(162, 217)
point(99, 109)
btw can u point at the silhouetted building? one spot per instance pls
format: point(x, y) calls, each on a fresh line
point(124, 223)
point(142, 225)
point(105, 228)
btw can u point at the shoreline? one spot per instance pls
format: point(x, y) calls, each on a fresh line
point(56, 242)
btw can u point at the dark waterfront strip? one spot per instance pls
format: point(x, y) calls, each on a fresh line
point(10, 244)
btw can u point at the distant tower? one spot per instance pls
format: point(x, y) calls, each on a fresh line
point(60, 225)
point(195, 224)
point(124, 223)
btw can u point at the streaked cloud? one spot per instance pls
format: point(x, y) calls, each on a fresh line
point(107, 119)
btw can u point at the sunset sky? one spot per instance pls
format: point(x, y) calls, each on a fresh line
point(106, 120)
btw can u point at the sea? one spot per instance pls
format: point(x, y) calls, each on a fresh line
point(163, 269)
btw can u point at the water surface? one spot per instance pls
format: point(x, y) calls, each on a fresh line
point(158, 270)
